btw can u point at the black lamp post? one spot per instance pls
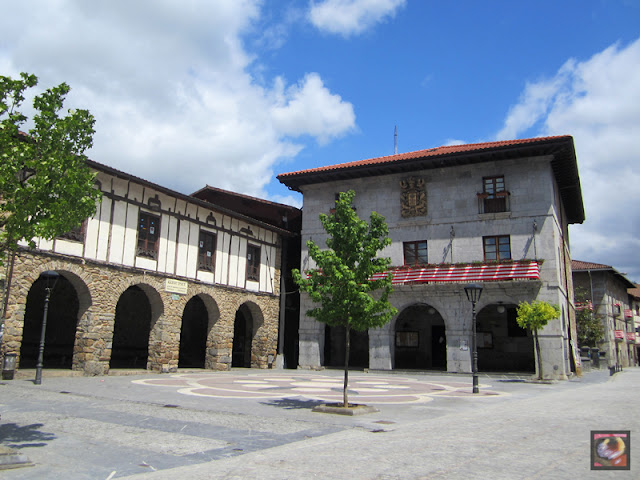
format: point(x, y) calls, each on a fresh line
point(47, 276)
point(474, 291)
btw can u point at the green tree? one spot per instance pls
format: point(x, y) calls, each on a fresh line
point(46, 187)
point(588, 323)
point(536, 315)
point(343, 284)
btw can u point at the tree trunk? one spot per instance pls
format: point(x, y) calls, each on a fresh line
point(347, 350)
point(535, 338)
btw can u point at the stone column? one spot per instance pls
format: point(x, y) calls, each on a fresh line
point(311, 342)
point(380, 344)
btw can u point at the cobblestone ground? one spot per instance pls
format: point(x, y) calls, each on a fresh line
point(260, 424)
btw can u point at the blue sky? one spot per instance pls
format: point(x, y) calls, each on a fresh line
point(231, 93)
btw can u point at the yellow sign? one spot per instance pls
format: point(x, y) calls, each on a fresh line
point(175, 286)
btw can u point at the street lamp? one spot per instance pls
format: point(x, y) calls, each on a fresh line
point(48, 277)
point(474, 291)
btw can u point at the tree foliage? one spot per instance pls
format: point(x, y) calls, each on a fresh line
point(536, 315)
point(588, 323)
point(46, 187)
point(342, 284)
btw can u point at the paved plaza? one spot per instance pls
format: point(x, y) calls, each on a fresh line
point(327, 388)
point(260, 424)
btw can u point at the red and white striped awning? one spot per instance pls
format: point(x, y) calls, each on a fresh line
point(465, 273)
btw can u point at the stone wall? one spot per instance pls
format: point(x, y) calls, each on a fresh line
point(99, 287)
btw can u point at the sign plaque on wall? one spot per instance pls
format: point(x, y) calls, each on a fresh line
point(175, 286)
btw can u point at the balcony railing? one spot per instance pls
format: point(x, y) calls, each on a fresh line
point(447, 273)
point(493, 202)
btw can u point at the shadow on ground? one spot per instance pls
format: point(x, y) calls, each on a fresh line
point(293, 403)
point(15, 436)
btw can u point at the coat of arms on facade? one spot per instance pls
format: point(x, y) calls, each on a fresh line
point(414, 197)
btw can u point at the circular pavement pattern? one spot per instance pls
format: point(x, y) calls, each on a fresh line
point(362, 388)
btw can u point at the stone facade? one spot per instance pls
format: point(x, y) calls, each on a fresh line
point(438, 200)
point(99, 288)
point(607, 290)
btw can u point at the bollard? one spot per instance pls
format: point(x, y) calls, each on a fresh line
point(9, 366)
point(595, 357)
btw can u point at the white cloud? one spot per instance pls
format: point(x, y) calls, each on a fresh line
point(170, 86)
point(597, 101)
point(310, 108)
point(351, 17)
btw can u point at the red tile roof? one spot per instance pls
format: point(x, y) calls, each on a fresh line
point(429, 152)
point(579, 265)
point(560, 149)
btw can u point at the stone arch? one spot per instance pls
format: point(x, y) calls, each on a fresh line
point(137, 335)
point(250, 338)
point(68, 301)
point(502, 345)
point(419, 338)
point(200, 315)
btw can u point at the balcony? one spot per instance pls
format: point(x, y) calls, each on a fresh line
point(462, 273)
point(493, 202)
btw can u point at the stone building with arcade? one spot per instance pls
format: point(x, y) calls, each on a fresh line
point(154, 280)
point(497, 213)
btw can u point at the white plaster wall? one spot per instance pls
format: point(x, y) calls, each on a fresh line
point(131, 235)
point(116, 242)
point(111, 236)
point(104, 230)
point(67, 247)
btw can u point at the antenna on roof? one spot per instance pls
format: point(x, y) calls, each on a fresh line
point(395, 140)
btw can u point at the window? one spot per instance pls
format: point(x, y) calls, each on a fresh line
point(253, 263)
point(415, 253)
point(207, 251)
point(494, 196)
point(76, 234)
point(497, 248)
point(148, 232)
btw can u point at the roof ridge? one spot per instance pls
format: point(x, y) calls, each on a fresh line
point(433, 151)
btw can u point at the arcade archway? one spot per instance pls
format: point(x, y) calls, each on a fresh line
point(130, 347)
point(193, 334)
point(420, 340)
point(502, 345)
point(243, 330)
point(62, 321)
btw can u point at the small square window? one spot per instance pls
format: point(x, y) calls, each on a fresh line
point(415, 253)
point(497, 248)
